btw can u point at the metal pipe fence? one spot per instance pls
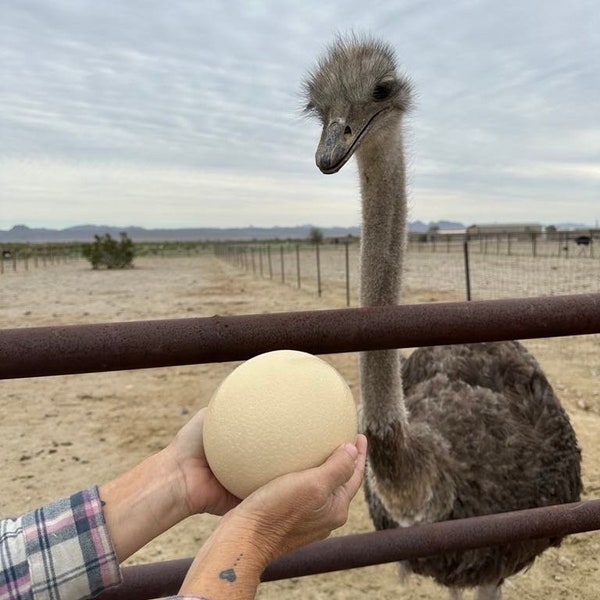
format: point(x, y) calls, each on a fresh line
point(70, 349)
point(379, 547)
point(43, 351)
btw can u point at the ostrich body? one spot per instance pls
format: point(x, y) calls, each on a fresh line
point(454, 431)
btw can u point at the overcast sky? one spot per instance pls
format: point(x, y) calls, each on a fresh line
point(187, 113)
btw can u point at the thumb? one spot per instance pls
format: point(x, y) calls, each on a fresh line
point(339, 467)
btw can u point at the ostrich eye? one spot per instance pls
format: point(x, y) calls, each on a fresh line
point(382, 91)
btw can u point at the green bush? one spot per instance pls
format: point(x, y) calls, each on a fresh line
point(109, 253)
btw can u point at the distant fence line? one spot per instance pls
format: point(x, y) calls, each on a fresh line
point(559, 244)
point(451, 266)
point(22, 257)
point(25, 257)
point(272, 261)
point(468, 268)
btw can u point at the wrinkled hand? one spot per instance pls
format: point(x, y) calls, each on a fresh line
point(303, 507)
point(290, 511)
point(201, 489)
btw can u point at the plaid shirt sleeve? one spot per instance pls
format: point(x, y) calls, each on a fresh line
point(61, 551)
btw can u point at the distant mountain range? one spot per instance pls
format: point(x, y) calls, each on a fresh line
point(85, 233)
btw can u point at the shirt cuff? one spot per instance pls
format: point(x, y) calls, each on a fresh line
point(69, 550)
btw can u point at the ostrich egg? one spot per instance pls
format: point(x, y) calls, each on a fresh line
point(278, 412)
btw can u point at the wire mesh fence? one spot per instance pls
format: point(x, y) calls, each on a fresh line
point(20, 257)
point(435, 268)
point(432, 269)
point(559, 243)
point(23, 257)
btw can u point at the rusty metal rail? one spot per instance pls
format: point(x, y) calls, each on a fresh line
point(367, 549)
point(42, 351)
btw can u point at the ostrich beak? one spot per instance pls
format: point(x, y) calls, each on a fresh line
point(339, 141)
point(335, 147)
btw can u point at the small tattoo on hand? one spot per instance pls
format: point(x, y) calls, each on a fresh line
point(228, 575)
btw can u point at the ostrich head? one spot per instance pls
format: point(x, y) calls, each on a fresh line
point(357, 93)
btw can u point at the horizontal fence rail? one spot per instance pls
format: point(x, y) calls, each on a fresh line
point(44, 351)
point(391, 545)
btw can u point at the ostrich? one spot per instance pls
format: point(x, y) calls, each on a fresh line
point(454, 431)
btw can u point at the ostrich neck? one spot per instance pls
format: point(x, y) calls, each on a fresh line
point(383, 188)
point(406, 462)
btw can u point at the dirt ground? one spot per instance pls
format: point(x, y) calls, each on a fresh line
point(60, 434)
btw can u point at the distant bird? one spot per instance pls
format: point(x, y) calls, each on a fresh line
point(475, 429)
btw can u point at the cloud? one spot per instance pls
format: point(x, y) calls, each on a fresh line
point(173, 197)
point(137, 98)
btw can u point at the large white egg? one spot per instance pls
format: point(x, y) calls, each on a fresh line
point(278, 412)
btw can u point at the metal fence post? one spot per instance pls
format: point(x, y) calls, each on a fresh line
point(318, 269)
point(347, 245)
point(467, 268)
point(298, 264)
point(270, 262)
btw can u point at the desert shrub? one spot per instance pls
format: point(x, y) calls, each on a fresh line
point(109, 253)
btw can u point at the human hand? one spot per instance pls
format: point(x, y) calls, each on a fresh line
point(290, 511)
point(201, 490)
point(163, 490)
point(302, 507)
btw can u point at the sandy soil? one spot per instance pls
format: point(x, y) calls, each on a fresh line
point(63, 433)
